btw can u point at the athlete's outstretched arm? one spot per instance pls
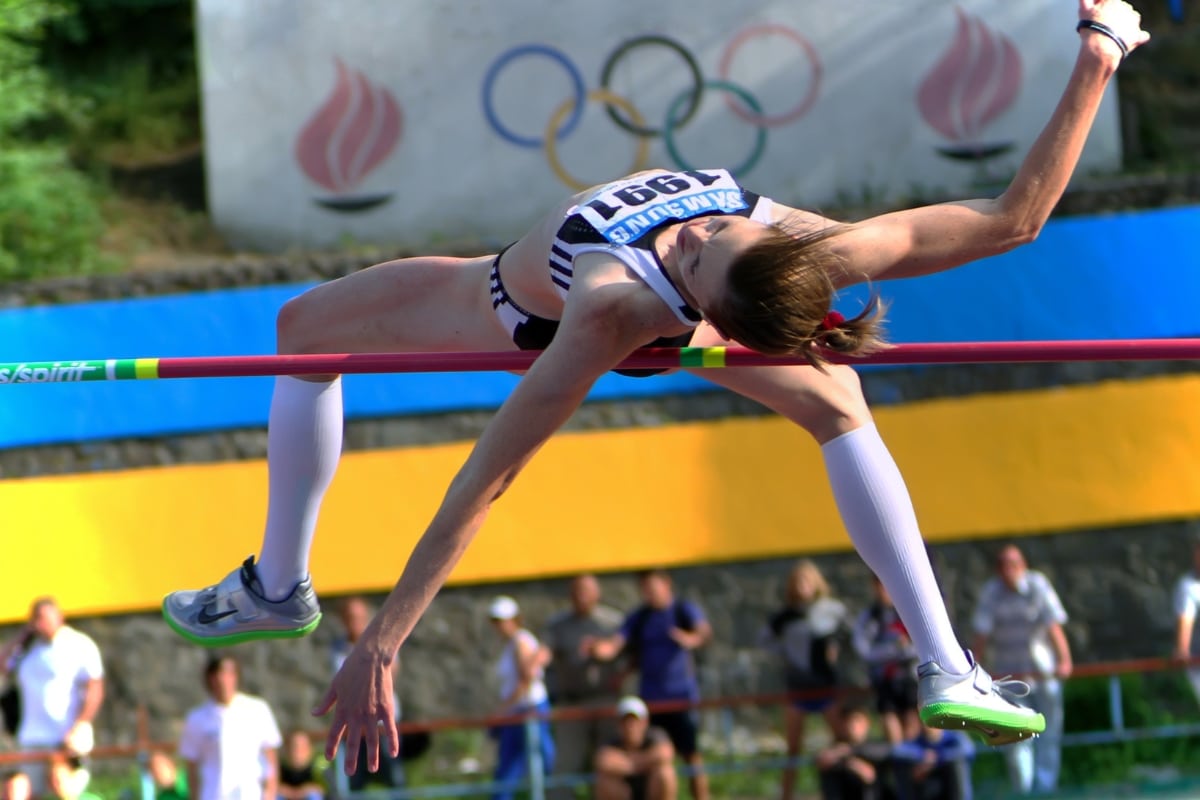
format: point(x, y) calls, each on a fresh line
point(924, 240)
point(595, 335)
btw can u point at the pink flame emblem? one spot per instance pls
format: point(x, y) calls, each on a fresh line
point(975, 81)
point(356, 128)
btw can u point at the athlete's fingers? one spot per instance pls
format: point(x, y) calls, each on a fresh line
point(392, 731)
point(322, 708)
point(354, 740)
point(337, 729)
point(372, 746)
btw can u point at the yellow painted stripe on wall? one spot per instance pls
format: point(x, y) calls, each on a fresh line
point(985, 466)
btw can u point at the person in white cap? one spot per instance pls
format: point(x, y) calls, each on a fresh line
point(522, 691)
point(639, 762)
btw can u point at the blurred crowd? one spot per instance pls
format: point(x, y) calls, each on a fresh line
point(626, 691)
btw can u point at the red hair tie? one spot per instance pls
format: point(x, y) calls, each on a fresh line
point(832, 320)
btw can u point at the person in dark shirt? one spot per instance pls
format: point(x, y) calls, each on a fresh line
point(298, 775)
point(659, 638)
point(883, 644)
point(934, 765)
point(804, 635)
point(853, 768)
point(639, 762)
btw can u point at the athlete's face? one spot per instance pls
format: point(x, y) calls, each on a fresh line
point(705, 250)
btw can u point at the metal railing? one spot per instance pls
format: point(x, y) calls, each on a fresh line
point(537, 781)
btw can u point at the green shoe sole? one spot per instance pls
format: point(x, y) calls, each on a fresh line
point(991, 726)
point(238, 638)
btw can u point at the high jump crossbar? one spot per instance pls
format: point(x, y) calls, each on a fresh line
point(120, 369)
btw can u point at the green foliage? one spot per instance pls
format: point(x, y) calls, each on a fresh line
point(129, 67)
point(49, 216)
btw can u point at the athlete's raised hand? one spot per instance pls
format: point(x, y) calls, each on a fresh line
point(1120, 18)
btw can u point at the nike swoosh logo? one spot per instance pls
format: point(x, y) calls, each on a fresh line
point(205, 618)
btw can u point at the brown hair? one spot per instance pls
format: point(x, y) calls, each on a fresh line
point(778, 299)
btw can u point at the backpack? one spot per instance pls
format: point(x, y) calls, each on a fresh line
point(633, 642)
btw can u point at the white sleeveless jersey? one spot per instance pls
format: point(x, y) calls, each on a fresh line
point(619, 219)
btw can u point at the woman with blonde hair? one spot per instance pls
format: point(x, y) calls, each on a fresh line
point(804, 635)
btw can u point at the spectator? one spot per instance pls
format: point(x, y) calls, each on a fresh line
point(169, 782)
point(69, 776)
point(1187, 600)
point(16, 786)
point(61, 680)
point(804, 634)
point(577, 679)
point(1020, 616)
point(659, 638)
point(298, 769)
point(639, 762)
point(882, 642)
point(230, 742)
point(934, 765)
point(522, 691)
point(355, 615)
point(852, 767)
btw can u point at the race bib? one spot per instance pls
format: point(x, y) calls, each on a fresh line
point(625, 210)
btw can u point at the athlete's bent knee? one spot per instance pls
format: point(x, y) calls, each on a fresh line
point(295, 331)
point(298, 333)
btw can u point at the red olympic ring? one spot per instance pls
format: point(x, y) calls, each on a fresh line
point(810, 97)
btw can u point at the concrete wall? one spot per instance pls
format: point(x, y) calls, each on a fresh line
point(1115, 585)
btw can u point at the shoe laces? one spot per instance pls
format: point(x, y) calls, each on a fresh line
point(1010, 686)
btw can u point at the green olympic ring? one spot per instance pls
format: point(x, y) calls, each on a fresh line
point(673, 121)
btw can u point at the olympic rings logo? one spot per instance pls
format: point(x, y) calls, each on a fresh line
point(681, 110)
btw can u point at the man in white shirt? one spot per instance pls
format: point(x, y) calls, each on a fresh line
point(1021, 618)
point(61, 679)
point(1186, 601)
point(231, 742)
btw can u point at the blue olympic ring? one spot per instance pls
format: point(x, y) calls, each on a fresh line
point(489, 82)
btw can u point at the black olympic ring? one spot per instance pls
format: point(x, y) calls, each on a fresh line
point(694, 94)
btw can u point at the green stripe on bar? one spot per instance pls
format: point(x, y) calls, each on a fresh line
point(693, 357)
point(126, 369)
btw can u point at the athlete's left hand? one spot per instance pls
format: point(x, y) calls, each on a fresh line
point(361, 699)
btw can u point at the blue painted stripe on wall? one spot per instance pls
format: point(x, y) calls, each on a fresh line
point(1120, 276)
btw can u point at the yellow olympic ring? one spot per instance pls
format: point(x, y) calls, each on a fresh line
point(641, 157)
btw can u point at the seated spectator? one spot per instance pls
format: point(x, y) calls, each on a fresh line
point(804, 635)
point(882, 642)
point(639, 762)
point(852, 768)
point(298, 773)
point(15, 786)
point(935, 765)
point(169, 782)
point(69, 777)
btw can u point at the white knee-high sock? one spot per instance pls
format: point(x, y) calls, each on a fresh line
point(304, 443)
point(878, 514)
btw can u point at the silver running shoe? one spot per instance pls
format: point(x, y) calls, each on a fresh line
point(235, 610)
point(976, 703)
